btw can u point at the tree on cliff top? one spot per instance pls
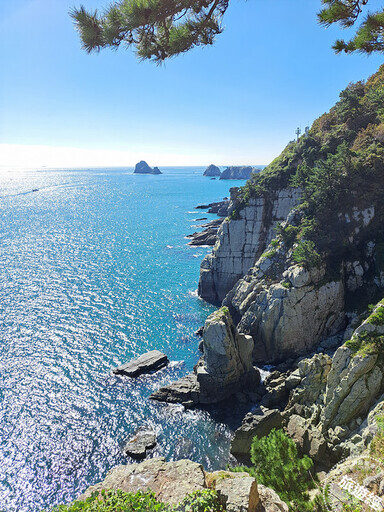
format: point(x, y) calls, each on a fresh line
point(159, 29)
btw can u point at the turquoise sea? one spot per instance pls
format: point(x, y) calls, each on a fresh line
point(95, 270)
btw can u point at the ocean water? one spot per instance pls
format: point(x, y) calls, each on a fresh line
point(95, 270)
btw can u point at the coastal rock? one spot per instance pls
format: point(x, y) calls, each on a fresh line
point(142, 441)
point(148, 362)
point(270, 501)
point(184, 391)
point(238, 173)
point(212, 170)
point(308, 437)
point(258, 423)
point(224, 369)
point(208, 236)
point(238, 491)
point(143, 168)
point(353, 383)
point(220, 207)
point(170, 481)
point(241, 241)
point(326, 410)
point(286, 321)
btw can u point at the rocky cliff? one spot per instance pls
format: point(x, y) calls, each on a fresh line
point(333, 401)
point(241, 241)
point(302, 247)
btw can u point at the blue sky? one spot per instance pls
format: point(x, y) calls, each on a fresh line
point(237, 102)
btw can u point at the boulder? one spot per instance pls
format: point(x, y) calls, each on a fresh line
point(308, 438)
point(170, 481)
point(258, 423)
point(139, 444)
point(270, 501)
point(212, 170)
point(148, 362)
point(184, 391)
point(238, 492)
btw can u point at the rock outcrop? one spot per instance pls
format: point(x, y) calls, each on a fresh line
point(242, 240)
point(220, 207)
point(255, 424)
point(143, 168)
point(209, 234)
point(146, 363)
point(288, 317)
point(327, 408)
point(172, 481)
point(212, 170)
point(137, 446)
point(238, 173)
point(224, 369)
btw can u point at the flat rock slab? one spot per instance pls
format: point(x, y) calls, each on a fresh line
point(137, 446)
point(150, 361)
point(185, 391)
point(170, 481)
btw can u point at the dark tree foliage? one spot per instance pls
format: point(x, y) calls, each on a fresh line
point(159, 29)
point(368, 37)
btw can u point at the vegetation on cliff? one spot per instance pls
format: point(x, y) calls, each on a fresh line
point(339, 167)
point(276, 464)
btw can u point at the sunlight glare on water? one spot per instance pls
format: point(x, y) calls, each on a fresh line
point(94, 271)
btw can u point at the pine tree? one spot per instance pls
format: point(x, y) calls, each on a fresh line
point(159, 29)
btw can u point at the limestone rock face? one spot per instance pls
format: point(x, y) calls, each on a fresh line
point(353, 383)
point(212, 170)
point(225, 368)
point(290, 317)
point(241, 242)
point(170, 481)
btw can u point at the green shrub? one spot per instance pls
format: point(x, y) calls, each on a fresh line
point(119, 501)
point(200, 501)
point(116, 501)
point(304, 254)
point(276, 464)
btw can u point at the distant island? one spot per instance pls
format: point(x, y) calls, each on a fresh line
point(239, 173)
point(212, 170)
point(143, 168)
